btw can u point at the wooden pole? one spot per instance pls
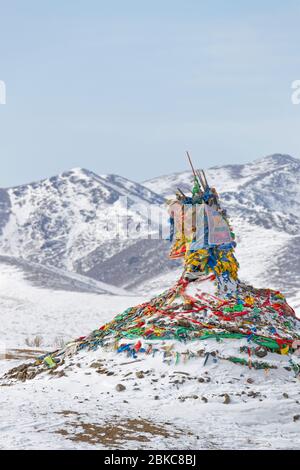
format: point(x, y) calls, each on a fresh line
point(188, 155)
point(201, 180)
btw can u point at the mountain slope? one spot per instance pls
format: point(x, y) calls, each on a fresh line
point(61, 220)
point(263, 201)
point(266, 192)
point(99, 225)
point(47, 277)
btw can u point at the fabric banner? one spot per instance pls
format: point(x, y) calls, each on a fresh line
point(218, 229)
point(175, 211)
point(198, 242)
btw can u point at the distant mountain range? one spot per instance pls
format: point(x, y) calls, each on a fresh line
point(68, 222)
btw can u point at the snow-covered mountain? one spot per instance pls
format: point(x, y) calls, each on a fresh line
point(266, 192)
point(263, 201)
point(76, 216)
point(69, 222)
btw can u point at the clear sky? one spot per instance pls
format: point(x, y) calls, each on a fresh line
point(126, 86)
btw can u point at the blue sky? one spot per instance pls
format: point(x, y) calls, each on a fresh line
point(127, 86)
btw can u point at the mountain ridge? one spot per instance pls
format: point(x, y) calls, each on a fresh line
point(68, 220)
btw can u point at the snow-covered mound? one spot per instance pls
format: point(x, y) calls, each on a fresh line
point(103, 401)
point(101, 398)
point(188, 320)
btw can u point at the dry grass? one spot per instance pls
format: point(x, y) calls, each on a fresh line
point(19, 354)
point(59, 342)
point(113, 434)
point(35, 342)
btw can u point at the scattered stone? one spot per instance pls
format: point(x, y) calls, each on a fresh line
point(296, 418)
point(156, 397)
point(120, 387)
point(140, 374)
point(250, 380)
point(261, 352)
point(227, 399)
point(285, 395)
point(96, 365)
point(253, 394)
point(61, 373)
point(201, 379)
point(204, 399)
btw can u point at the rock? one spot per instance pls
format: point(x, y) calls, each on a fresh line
point(296, 418)
point(22, 376)
point(226, 399)
point(31, 375)
point(204, 399)
point(140, 374)
point(61, 373)
point(201, 380)
point(285, 395)
point(96, 364)
point(156, 397)
point(120, 387)
point(261, 351)
point(253, 394)
point(250, 380)
point(195, 397)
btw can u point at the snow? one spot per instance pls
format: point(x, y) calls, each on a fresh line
point(165, 407)
point(28, 311)
point(73, 411)
point(51, 411)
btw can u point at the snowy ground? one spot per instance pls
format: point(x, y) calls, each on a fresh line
point(219, 405)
